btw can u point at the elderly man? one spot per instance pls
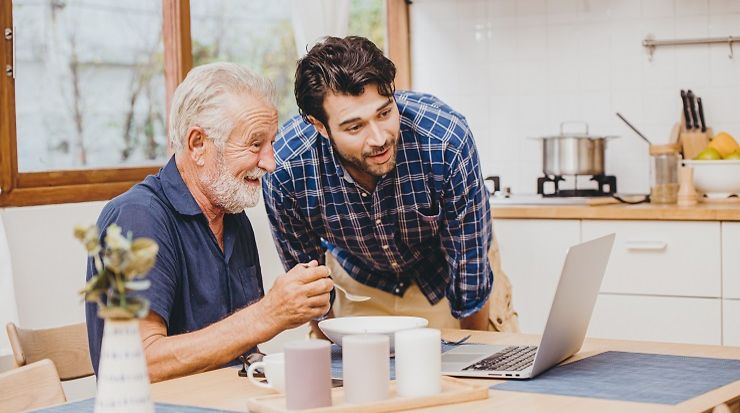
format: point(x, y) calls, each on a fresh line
point(389, 184)
point(207, 300)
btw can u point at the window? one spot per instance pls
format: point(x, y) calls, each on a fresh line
point(83, 102)
point(270, 28)
point(101, 101)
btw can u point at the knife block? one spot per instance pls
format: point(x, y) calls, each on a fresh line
point(694, 141)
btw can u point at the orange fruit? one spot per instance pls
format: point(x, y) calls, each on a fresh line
point(725, 144)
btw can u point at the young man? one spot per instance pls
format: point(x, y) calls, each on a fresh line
point(389, 186)
point(207, 300)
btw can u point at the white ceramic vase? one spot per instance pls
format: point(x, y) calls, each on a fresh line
point(123, 379)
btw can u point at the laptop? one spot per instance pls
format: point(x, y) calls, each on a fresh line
point(570, 313)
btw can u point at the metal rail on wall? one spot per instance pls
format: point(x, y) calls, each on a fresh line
point(650, 43)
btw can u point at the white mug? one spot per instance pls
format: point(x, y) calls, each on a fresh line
point(274, 367)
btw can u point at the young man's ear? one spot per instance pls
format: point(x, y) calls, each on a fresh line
point(319, 126)
point(195, 145)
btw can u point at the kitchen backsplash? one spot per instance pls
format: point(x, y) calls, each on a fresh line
point(517, 69)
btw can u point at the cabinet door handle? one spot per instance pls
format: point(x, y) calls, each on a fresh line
point(646, 245)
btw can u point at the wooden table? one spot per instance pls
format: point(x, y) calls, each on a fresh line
point(223, 389)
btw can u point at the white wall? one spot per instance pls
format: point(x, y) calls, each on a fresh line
point(48, 262)
point(517, 69)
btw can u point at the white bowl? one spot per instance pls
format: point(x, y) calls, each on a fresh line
point(336, 328)
point(719, 178)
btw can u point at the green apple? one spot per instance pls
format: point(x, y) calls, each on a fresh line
point(735, 156)
point(708, 154)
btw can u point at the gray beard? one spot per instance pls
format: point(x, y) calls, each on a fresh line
point(232, 194)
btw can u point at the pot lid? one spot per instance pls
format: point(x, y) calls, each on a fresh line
point(576, 135)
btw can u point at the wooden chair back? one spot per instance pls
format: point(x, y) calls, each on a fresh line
point(30, 387)
point(66, 346)
point(731, 407)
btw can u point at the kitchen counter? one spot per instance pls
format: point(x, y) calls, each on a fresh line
point(702, 212)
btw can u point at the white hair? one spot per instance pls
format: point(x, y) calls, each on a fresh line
point(200, 100)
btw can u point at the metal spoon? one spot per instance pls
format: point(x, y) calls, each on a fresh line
point(456, 342)
point(352, 297)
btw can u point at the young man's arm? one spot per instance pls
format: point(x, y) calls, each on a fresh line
point(478, 320)
point(466, 238)
point(295, 298)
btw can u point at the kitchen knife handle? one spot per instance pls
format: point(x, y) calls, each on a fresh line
point(692, 108)
point(686, 116)
point(701, 115)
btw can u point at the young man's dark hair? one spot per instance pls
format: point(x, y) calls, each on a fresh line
point(342, 66)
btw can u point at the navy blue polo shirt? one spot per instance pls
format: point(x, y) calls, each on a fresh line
point(194, 283)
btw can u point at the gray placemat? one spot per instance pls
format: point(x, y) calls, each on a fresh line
point(336, 360)
point(635, 377)
point(88, 406)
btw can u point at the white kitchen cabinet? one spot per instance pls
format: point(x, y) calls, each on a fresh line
point(667, 319)
point(731, 260)
point(666, 258)
point(532, 255)
point(731, 322)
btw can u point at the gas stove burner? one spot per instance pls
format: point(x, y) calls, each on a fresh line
point(607, 186)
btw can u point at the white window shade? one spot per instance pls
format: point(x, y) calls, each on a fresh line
point(315, 19)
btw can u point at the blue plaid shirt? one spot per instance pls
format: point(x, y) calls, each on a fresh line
point(427, 221)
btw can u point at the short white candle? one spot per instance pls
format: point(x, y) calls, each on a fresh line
point(365, 366)
point(418, 362)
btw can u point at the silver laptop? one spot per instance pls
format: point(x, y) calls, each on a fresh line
point(565, 330)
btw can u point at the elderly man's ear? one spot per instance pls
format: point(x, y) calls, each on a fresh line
point(196, 145)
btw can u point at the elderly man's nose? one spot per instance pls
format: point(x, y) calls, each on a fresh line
point(267, 160)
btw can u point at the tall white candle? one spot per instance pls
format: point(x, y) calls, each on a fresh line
point(365, 366)
point(418, 362)
point(307, 374)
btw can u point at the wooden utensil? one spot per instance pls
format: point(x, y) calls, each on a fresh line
point(686, 191)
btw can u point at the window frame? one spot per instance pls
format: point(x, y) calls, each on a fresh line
point(65, 186)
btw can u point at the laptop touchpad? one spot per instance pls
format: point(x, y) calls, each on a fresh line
point(465, 355)
point(462, 358)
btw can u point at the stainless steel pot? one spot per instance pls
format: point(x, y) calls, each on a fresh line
point(573, 153)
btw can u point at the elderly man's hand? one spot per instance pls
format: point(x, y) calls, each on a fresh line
point(298, 296)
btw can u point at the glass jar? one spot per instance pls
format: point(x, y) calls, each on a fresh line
point(664, 161)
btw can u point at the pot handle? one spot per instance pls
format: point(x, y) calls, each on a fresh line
point(496, 183)
point(585, 124)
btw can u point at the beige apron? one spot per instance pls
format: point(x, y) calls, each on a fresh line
point(502, 316)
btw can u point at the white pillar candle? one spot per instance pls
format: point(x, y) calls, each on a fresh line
point(365, 366)
point(418, 362)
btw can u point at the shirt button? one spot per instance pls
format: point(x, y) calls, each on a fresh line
point(364, 194)
point(400, 285)
point(397, 291)
point(377, 221)
point(385, 247)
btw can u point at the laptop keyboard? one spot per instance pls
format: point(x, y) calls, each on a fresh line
point(514, 358)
